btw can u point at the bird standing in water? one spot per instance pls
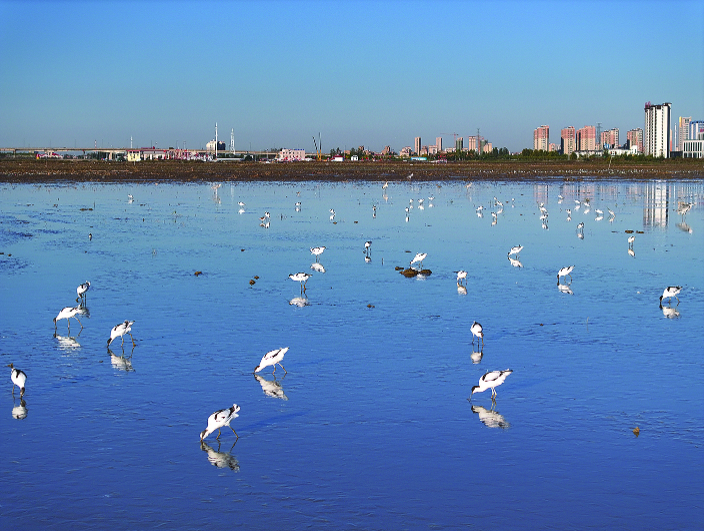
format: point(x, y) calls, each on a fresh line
point(219, 420)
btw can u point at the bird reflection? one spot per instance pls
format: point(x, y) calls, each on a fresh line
point(477, 356)
point(121, 363)
point(461, 290)
point(68, 343)
point(684, 227)
point(20, 412)
point(669, 312)
point(271, 388)
point(299, 301)
point(515, 262)
point(631, 252)
point(565, 288)
point(317, 267)
point(221, 459)
point(490, 417)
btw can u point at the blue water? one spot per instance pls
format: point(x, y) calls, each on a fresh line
point(371, 427)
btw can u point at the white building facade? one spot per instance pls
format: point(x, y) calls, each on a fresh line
point(286, 155)
point(656, 133)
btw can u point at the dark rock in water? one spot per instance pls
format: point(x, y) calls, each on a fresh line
point(409, 273)
point(426, 272)
point(399, 268)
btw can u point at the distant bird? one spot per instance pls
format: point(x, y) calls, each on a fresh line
point(480, 208)
point(130, 198)
point(90, 236)
point(580, 226)
point(631, 239)
point(564, 272)
point(671, 291)
point(241, 204)
point(298, 205)
point(119, 330)
point(599, 212)
point(461, 276)
point(300, 277)
point(490, 380)
point(332, 212)
point(219, 420)
point(683, 208)
point(67, 313)
point(271, 359)
point(317, 251)
point(515, 250)
point(478, 331)
point(368, 247)
point(18, 378)
point(265, 218)
point(419, 258)
point(81, 290)
point(385, 185)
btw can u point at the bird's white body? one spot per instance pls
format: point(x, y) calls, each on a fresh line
point(491, 380)
point(419, 258)
point(300, 277)
point(67, 313)
point(367, 245)
point(580, 225)
point(317, 251)
point(219, 420)
point(565, 271)
point(271, 358)
point(631, 239)
point(119, 330)
point(515, 250)
point(671, 291)
point(81, 290)
point(477, 331)
point(461, 275)
point(18, 378)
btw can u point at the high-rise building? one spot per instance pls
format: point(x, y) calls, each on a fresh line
point(656, 133)
point(634, 137)
point(609, 139)
point(683, 131)
point(567, 141)
point(459, 144)
point(438, 144)
point(417, 145)
point(472, 144)
point(541, 138)
point(585, 138)
point(695, 128)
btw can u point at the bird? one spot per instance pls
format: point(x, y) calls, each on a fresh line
point(241, 204)
point(385, 185)
point(516, 249)
point(367, 247)
point(631, 239)
point(300, 277)
point(317, 251)
point(565, 271)
point(478, 331)
point(220, 419)
point(119, 330)
point(81, 290)
point(671, 291)
point(265, 217)
point(580, 226)
point(272, 358)
point(490, 380)
point(419, 258)
point(18, 378)
point(332, 212)
point(67, 313)
point(461, 275)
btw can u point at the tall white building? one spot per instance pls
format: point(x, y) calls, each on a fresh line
point(683, 131)
point(656, 133)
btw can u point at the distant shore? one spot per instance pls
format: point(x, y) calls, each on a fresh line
point(50, 171)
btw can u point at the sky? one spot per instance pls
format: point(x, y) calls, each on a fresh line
point(351, 72)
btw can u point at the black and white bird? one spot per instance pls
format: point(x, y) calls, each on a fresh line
point(419, 258)
point(317, 251)
point(271, 359)
point(300, 277)
point(490, 380)
point(461, 277)
point(18, 378)
point(67, 313)
point(671, 291)
point(631, 239)
point(564, 272)
point(219, 420)
point(478, 331)
point(368, 247)
point(81, 290)
point(516, 249)
point(119, 330)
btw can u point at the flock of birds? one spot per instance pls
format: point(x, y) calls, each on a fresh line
point(490, 380)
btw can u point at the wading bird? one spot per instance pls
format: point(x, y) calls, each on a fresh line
point(219, 420)
point(18, 378)
point(490, 380)
point(300, 277)
point(671, 291)
point(419, 258)
point(478, 331)
point(271, 359)
point(516, 249)
point(564, 272)
point(119, 330)
point(81, 290)
point(317, 251)
point(67, 313)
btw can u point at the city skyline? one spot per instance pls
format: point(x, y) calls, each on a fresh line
point(357, 73)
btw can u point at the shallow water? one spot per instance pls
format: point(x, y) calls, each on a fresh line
point(371, 427)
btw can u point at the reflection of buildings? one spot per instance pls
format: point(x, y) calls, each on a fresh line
point(540, 193)
point(655, 206)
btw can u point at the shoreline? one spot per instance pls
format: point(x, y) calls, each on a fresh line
point(47, 171)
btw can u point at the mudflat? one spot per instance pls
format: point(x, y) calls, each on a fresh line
point(47, 171)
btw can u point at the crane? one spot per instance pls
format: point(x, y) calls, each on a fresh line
point(318, 153)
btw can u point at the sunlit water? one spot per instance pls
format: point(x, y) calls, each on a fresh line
point(371, 428)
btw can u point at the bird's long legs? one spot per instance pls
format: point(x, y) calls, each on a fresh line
point(285, 371)
point(233, 431)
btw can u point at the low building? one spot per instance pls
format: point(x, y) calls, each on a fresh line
point(134, 155)
point(694, 147)
point(289, 155)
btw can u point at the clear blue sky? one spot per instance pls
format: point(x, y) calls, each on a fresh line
point(360, 73)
